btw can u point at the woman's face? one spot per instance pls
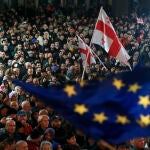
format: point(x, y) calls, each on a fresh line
point(48, 136)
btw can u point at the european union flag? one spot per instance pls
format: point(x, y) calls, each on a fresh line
point(114, 110)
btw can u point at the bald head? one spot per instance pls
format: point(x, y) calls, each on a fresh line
point(21, 145)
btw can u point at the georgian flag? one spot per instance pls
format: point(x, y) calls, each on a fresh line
point(86, 54)
point(105, 36)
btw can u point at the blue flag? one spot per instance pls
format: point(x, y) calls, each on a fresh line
point(114, 110)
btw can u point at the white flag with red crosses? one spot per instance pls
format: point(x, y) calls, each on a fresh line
point(105, 36)
point(85, 51)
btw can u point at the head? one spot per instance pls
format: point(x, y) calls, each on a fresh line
point(20, 127)
point(3, 110)
point(13, 96)
point(49, 134)
point(45, 145)
point(56, 121)
point(71, 139)
point(10, 126)
point(138, 143)
point(22, 116)
point(14, 104)
point(21, 145)
point(43, 121)
point(4, 145)
point(35, 136)
point(43, 112)
point(26, 106)
point(12, 113)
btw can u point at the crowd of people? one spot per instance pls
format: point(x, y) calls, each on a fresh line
point(42, 49)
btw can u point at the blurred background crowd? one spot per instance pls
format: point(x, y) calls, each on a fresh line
point(39, 46)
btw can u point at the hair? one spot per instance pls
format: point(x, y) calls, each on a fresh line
point(19, 143)
point(45, 143)
point(8, 121)
point(41, 117)
point(24, 103)
point(43, 112)
point(4, 145)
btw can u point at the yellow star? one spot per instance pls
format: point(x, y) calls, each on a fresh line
point(80, 109)
point(100, 117)
point(122, 119)
point(118, 84)
point(144, 120)
point(134, 87)
point(144, 100)
point(82, 83)
point(70, 90)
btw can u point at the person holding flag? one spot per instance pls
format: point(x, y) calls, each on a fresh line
point(105, 36)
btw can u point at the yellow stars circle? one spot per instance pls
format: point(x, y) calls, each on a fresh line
point(144, 100)
point(101, 117)
point(70, 90)
point(122, 119)
point(134, 87)
point(80, 109)
point(144, 120)
point(118, 84)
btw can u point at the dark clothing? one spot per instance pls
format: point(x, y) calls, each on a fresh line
point(60, 134)
point(40, 130)
point(20, 136)
point(32, 146)
point(3, 134)
point(71, 147)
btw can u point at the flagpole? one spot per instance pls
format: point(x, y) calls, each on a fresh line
point(98, 58)
point(93, 53)
point(84, 67)
point(91, 43)
point(120, 53)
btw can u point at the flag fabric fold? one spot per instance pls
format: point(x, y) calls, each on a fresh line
point(114, 110)
point(105, 36)
point(86, 53)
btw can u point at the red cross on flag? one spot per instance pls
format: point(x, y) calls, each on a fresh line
point(86, 54)
point(105, 36)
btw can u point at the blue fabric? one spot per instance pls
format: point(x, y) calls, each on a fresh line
point(107, 100)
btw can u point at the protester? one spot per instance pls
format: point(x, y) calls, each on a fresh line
point(21, 145)
point(42, 49)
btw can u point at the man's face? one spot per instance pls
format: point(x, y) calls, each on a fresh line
point(22, 118)
point(44, 122)
point(56, 123)
point(10, 126)
point(22, 146)
point(139, 143)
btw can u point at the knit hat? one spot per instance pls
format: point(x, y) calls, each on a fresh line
point(55, 117)
point(51, 131)
point(21, 113)
point(12, 93)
